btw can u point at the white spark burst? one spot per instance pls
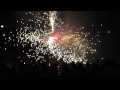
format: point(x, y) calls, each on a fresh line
point(46, 34)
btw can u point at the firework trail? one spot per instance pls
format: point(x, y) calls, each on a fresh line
point(52, 19)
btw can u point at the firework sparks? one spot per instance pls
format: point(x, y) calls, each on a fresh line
point(46, 34)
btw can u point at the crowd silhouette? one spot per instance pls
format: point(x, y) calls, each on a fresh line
point(109, 69)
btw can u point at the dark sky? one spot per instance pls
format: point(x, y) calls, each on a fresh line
point(109, 47)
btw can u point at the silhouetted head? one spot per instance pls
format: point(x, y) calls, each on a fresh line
point(65, 68)
point(44, 66)
point(73, 64)
point(94, 65)
point(88, 65)
point(110, 63)
point(80, 65)
point(54, 66)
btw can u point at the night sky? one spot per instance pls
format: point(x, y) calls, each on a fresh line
point(109, 46)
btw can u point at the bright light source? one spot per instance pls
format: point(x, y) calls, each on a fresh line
point(108, 31)
point(2, 26)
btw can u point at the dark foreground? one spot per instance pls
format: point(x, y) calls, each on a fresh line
point(107, 70)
